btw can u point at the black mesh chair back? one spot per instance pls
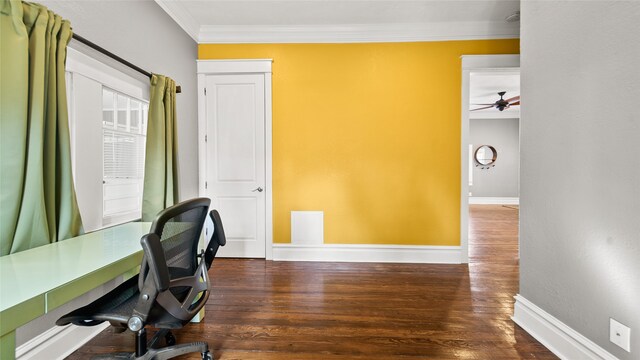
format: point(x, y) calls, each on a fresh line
point(176, 236)
point(170, 270)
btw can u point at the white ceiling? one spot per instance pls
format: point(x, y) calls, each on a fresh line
point(484, 88)
point(218, 12)
point(342, 21)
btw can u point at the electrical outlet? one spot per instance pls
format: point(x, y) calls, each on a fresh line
point(620, 334)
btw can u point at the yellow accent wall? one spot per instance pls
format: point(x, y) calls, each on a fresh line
point(368, 133)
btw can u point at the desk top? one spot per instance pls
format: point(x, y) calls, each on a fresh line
point(31, 276)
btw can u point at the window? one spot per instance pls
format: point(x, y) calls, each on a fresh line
point(108, 108)
point(123, 149)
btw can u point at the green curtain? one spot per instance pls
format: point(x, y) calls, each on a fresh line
point(37, 199)
point(161, 159)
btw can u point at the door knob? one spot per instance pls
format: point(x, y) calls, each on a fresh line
point(258, 189)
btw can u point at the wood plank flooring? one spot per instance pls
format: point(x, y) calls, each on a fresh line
point(365, 311)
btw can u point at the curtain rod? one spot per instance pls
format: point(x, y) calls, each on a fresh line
point(116, 57)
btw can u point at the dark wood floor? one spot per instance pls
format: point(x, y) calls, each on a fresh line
point(305, 310)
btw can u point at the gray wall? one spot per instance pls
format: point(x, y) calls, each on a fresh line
point(504, 136)
point(143, 34)
point(580, 170)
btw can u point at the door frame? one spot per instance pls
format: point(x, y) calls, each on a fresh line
point(474, 63)
point(228, 67)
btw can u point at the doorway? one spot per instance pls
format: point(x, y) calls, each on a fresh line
point(494, 137)
point(235, 151)
point(473, 66)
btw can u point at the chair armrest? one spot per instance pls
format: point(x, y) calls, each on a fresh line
point(156, 260)
point(217, 239)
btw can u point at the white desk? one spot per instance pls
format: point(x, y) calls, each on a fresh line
point(35, 281)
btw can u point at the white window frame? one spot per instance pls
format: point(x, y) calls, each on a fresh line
point(85, 66)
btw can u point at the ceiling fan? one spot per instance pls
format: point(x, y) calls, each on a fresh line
point(502, 103)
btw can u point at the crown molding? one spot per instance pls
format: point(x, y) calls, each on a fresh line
point(181, 16)
point(346, 33)
point(358, 33)
point(239, 66)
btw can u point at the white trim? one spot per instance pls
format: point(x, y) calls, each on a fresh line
point(557, 336)
point(505, 64)
point(494, 200)
point(90, 72)
point(234, 66)
point(202, 133)
point(472, 63)
point(337, 33)
point(58, 342)
point(368, 253)
point(268, 133)
point(495, 114)
point(106, 71)
point(358, 33)
point(244, 66)
point(181, 16)
point(464, 171)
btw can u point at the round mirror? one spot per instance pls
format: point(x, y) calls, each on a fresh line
point(486, 155)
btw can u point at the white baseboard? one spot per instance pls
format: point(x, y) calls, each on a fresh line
point(558, 337)
point(368, 253)
point(58, 342)
point(477, 200)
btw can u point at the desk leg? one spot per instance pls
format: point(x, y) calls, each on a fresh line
point(8, 346)
point(198, 318)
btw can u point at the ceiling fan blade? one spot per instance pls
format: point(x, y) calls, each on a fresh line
point(515, 103)
point(485, 104)
point(513, 98)
point(482, 108)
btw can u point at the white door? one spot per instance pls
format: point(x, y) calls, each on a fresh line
point(235, 160)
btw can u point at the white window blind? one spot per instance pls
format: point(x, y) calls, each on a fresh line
point(123, 155)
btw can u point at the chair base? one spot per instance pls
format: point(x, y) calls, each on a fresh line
point(156, 353)
point(162, 354)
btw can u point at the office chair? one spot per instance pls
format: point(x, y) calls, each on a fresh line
point(169, 291)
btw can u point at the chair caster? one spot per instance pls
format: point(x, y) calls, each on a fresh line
point(169, 339)
point(207, 356)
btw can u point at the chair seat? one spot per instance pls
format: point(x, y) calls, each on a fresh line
point(116, 307)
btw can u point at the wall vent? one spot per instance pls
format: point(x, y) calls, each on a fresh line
point(307, 227)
